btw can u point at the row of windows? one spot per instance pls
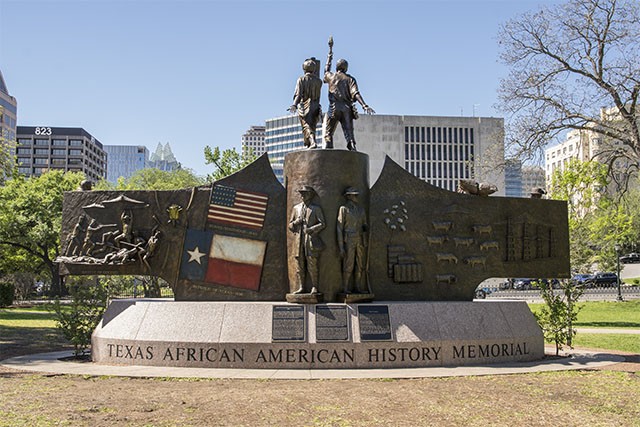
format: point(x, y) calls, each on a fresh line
point(57, 142)
point(8, 106)
point(438, 134)
point(8, 120)
point(438, 170)
point(438, 152)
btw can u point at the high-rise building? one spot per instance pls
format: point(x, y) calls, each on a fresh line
point(163, 158)
point(253, 140)
point(439, 150)
point(124, 160)
point(8, 113)
point(513, 178)
point(41, 148)
point(532, 177)
point(579, 144)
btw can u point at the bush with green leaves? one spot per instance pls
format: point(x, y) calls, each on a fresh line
point(78, 319)
point(556, 318)
point(6, 294)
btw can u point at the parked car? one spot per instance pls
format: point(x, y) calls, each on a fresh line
point(529, 284)
point(631, 258)
point(603, 280)
point(580, 279)
point(524, 284)
point(481, 293)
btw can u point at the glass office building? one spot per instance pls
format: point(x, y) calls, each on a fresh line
point(124, 160)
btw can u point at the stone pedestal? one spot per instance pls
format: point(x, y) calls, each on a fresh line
point(316, 336)
point(329, 172)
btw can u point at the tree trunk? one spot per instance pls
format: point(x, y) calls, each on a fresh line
point(58, 289)
point(152, 287)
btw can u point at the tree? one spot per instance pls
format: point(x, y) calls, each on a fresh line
point(560, 311)
point(566, 62)
point(227, 161)
point(7, 159)
point(78, 319)
point(154, 179)
point(30, 217)
point(596, 220)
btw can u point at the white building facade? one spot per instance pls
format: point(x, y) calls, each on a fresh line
point(438, 150)
point(253, 140)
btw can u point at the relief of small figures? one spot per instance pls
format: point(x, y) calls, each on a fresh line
point(76, 240)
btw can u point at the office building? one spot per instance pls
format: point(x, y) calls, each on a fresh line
point(253, 141)
point(124, 160)
point(163, 158)
point(532, 177)
point(513, 178)
point(579, 144)
point(41, 148)
point(438, 150)
point(8, 113)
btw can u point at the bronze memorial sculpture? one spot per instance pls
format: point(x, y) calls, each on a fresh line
point(352, 230)
point(307, 221)
point(385, 278)
point(306, 101)
point(343, 93)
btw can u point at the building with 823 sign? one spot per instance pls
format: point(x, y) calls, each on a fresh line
point(43, 148)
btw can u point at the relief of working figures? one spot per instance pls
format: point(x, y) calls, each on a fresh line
point(111, 244)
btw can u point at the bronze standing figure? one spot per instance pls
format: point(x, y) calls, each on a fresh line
point(352, 230)
point(343, 93)
point(307, 220)
point(306, 101)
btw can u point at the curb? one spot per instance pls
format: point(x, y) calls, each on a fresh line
point(50, 363)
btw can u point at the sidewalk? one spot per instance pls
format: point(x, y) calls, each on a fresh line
point(49, 363)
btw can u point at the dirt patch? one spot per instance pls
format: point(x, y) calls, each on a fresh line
point(577, 398)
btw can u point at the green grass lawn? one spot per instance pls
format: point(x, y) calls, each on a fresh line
point(621, 342)
point(32, 317)
point(605, 314)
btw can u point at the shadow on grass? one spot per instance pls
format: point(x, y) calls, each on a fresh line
point(26, 315)
point(608, 324)
point(18, 341)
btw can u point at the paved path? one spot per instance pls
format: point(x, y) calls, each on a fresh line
point(48, 362)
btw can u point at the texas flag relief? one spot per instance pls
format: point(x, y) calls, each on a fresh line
point(239, 208)
point(223, 260)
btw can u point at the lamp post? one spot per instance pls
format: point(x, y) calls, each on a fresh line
point(617, 248)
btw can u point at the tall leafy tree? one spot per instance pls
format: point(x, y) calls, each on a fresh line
point(7, 159)
point(30, 218)
point(154, 179)
point(566, 62)
point(597, 222)
point(227, 161)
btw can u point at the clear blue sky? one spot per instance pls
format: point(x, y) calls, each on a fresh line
point(196, 73)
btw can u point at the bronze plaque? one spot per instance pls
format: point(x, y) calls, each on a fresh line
point(332, 323)
point(288, 324)
point(374, 323)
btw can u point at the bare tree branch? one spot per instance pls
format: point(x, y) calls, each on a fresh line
point(574, 66)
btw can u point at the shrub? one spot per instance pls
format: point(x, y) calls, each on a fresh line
point(7, 292)
point(78, 319)
point(556, 318)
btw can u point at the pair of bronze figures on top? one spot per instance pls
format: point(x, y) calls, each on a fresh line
point(343, 94)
